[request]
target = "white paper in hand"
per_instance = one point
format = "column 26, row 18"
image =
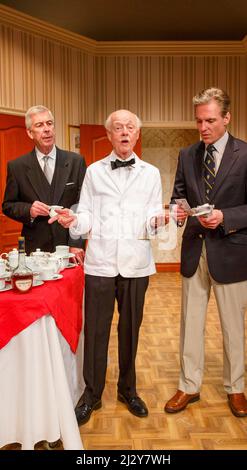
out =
column 205, row 210
column 183, row 204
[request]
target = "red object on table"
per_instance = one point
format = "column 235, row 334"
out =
column 60, row 298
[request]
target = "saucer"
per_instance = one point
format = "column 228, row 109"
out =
column 7, row 287
column 54, row 278
column 37, row 283
column 67, row 255
column 5, row 276
column 70, row 265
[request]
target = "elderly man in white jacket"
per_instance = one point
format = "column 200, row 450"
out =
column 120, row 205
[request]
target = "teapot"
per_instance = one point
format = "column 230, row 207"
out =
column 11, row 257
column 37, row 260
column 38, row 253
column 31, row 262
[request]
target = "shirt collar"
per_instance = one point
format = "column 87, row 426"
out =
column 220, row 144
column 52, row 153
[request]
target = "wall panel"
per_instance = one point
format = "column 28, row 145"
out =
column 84, row 82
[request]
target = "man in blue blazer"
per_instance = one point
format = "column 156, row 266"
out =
column 214, row 250
column 30, row 193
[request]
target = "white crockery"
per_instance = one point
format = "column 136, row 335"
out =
column 52, row 211
column 6, row 288
column 55, row 262
column 2, row 267
column 31, row 262
column 47, row 273
column 62, row 249
column 38, row 253
column 11, row 258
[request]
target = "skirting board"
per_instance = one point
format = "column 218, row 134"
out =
column 167, row 267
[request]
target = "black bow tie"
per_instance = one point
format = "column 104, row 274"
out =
column 118, row 163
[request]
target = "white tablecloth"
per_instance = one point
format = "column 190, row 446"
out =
column 40, row 384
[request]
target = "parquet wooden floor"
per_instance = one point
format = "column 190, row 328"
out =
column 207, row 424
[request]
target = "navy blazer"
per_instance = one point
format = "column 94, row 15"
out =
column 226, row 245
column 26, row 183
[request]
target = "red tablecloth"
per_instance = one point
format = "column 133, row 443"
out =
column 61, row 298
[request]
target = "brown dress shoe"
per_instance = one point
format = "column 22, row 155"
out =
column 180, row 400
column 238, row 404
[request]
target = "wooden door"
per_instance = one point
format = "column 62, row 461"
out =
column 95, row 144
column 13, row 143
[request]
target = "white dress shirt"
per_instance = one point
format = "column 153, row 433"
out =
column 52, row 159
column 122, row 174
column 220, row 146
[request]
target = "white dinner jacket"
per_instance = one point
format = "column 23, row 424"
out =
column 116, row 221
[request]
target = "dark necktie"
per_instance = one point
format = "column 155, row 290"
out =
column 209, row 171
column 118, row 163
column 47, row 169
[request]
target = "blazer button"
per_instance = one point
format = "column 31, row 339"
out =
column 200, row 235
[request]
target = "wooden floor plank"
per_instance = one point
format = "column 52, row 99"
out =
column 205, row 425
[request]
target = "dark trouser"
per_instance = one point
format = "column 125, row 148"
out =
column 100, row 295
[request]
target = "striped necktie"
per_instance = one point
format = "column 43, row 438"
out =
column 47, row 169
column 209, row 170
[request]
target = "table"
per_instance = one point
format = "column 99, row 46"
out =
column 41, row 363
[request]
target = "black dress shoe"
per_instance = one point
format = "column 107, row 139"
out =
column 135, row 405
column 84, row 411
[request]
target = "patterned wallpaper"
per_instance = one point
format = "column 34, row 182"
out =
column 83, row 83
column 160, row 147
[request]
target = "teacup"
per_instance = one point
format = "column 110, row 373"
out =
column 62, row 250
column 55, row 262
column 52, row 211
column 47, row 273
column 2, row 267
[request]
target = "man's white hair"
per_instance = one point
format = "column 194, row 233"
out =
column 108, row 122
column 36, row 110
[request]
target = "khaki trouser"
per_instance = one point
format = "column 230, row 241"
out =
column 231, row 302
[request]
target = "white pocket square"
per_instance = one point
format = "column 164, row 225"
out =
column 68, row 184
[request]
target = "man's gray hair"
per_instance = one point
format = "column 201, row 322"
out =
column 216, row 94
column 36, row 110
column 108, row 121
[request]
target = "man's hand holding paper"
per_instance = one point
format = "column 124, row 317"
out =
column 213, row 220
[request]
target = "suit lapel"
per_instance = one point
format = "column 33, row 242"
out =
column 230, row 156
column 62, row 172
column 198, row 166
column 36, row 177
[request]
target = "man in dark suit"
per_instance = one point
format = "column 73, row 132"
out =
column 46, row 176
column 214, row 250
